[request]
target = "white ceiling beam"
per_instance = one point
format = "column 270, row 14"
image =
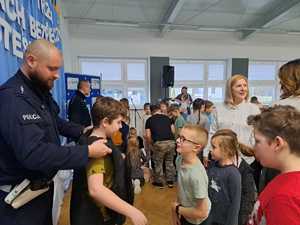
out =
column 170, row 15
column 85, row 11
column 283, row 8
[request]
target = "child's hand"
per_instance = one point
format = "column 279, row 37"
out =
column 138, row 218
column 174, row 204
column 175, row 217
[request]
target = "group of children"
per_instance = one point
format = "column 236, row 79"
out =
column 230, row 179
column 222, row 194
column 217, row 197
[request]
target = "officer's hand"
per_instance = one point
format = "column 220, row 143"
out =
column 98, row 149
column 137, row 217
column 87, row 128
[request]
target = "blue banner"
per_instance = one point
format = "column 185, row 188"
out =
column 21, row 22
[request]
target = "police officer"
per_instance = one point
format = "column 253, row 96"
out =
column 29, row 135
column 78, row 111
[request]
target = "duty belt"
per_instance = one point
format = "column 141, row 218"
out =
column 34, row 185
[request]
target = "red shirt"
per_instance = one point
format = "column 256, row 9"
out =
column 279, row 203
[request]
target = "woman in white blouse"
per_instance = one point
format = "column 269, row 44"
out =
column 233, row 113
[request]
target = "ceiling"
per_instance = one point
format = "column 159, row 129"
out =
column 244, row 16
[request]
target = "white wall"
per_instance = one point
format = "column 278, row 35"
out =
column 99, row 41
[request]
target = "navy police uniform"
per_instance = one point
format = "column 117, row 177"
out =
column 30, row 147
column 78, row 112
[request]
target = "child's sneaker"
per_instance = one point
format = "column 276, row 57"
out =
column 170, row 184
column 156, row 184
column 137, row 186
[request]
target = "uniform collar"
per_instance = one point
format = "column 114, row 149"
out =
column 80, row 94
column 40, row 93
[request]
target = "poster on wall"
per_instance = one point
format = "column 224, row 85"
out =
column 21, row 22
column 71, row 81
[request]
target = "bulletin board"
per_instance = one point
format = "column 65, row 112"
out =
column 71, row 81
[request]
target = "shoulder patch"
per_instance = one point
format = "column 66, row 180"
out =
column 27, row 118
column 22, row 89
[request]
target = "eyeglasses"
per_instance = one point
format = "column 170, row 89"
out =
column 182, row 139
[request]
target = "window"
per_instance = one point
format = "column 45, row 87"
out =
column 204, row 79
column 136, row 71
column 189, row 71
column 262, row 71
column 265, row 94
column 114, row 92
column 137, row 96
column 216, row 71
column 263, row 81
column 197, row 92
column 215, row 94
column 108, row 71
column 121, row 78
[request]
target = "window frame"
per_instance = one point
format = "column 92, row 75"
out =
column 205, row 83
column 268, row 83
column 124, row 83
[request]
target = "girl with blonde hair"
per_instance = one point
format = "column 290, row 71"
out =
column 224, row 186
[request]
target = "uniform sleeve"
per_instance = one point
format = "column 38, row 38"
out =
column 30, row 142
column 78, row 112
column 68, row 129
column 95, row 166
column 74, row 109
column 234, row 192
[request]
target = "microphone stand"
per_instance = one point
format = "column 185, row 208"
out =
column 135, row 112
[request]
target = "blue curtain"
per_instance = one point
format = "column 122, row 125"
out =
column 46, row 15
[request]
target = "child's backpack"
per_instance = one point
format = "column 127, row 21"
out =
column 122, row 184
column 117, row 138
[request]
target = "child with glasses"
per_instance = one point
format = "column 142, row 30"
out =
column 224, row 179
column 192, row 205
column 277, row 146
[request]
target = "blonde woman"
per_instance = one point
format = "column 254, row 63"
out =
column 233, row 113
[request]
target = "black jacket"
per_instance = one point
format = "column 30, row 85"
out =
column 83, row 209
column 30, row 146
column 249, row 192
column 78, row 112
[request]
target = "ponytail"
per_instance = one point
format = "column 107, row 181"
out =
column 199, row 114
column 245, row 150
